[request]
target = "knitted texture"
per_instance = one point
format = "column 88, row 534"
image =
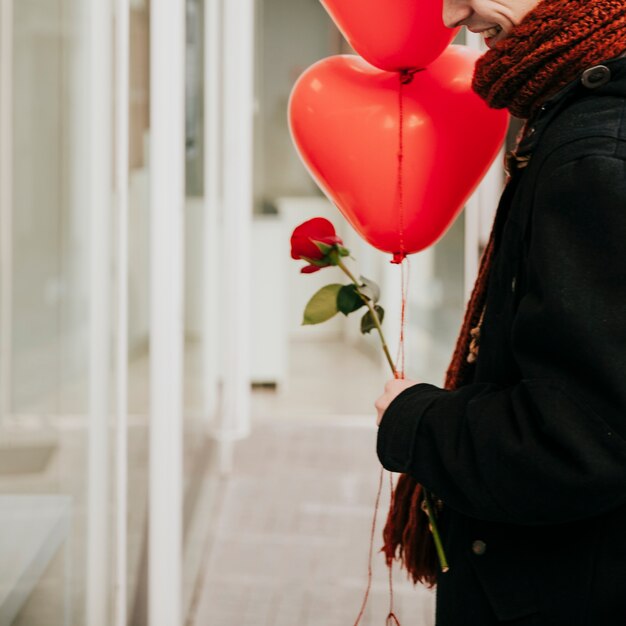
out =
column 547, row 50
column 544, row 52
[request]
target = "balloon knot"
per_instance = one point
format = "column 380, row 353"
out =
column 406, row 75
column 398, row 257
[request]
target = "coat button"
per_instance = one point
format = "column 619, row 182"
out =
column 513, row 284
column 479, row 547
column 596, row 76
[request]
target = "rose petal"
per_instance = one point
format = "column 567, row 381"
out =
column 330, row 239
column 318, row 228
column 309, row 269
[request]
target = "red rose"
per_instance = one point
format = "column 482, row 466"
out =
column 317, row 242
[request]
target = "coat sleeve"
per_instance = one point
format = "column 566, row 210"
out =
column 551, row 448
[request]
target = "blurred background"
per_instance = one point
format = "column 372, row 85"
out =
column 175, row 448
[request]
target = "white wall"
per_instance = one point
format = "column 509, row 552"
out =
column 49, row 306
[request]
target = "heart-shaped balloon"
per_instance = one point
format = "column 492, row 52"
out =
column 344, row 120
column 393, row 35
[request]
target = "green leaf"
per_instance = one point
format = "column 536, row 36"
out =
column 367, row 321
column 343, row 251
column 370, row 289
column 322, row 306
column 348, row 299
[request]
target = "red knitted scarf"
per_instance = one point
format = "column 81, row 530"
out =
column 547, row 50
column 543, row 53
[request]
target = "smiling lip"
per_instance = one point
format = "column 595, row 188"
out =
column 489, row 34
column 496, row 27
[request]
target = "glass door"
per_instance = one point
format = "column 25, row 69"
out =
column 54, row 492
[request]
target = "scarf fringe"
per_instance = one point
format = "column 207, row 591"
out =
column 406, row 535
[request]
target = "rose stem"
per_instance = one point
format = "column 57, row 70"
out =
column 431, row 516
column 373, row 313
column 443, row 562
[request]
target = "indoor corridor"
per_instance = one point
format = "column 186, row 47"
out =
column 291, row 526
column 176, row 447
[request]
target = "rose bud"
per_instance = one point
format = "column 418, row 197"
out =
column 316, row 242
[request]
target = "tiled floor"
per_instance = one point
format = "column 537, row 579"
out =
column 291, row 535
column 325, row 378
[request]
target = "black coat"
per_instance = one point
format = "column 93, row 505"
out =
column 530, row 457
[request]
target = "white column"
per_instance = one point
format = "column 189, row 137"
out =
column 490, row 192
column 472, row 208
column 98, row 144
column 472, row 243
column 122, row 55
column 479, row 213
column 238, row 94
column 167, row 71
column 6, row 202
column 212, row 198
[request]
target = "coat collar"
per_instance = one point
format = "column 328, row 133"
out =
column 607, row 78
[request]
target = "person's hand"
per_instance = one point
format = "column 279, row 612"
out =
column 393, row 388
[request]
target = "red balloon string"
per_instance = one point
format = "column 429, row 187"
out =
column 406, row 76
column 391, row 617
column 371, row 552
column 400, row 159
column 405, row 270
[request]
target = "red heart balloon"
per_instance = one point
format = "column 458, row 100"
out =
column 344, row 121
column 394, row 35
